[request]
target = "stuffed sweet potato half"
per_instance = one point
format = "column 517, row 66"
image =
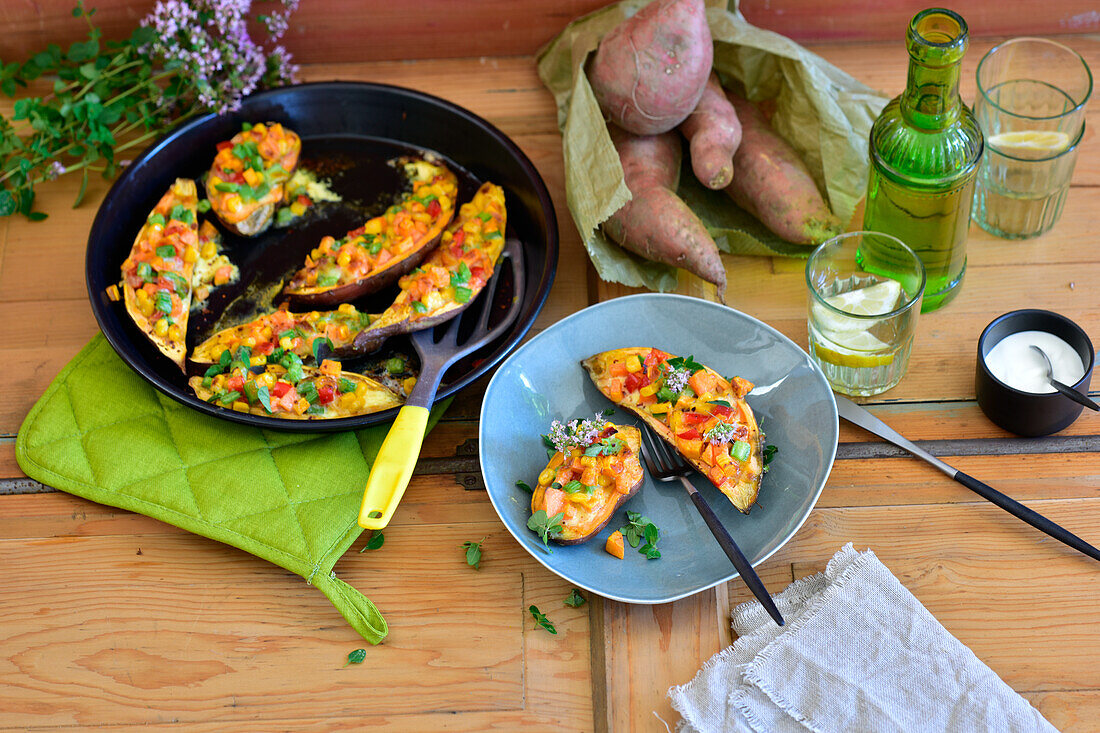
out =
column 371, row 257
column 593, row 472
column 156, row 277
column 248, row 177
column 336, row 333
column 287, row 389
column 452, row 276
column 693, row 408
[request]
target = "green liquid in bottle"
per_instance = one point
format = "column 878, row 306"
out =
column 925, row 148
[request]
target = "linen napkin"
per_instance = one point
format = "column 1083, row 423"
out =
column 101, row 432
column 859, row 653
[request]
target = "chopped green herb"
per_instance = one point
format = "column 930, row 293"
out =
column 462, row 294
column 473, row 553
column 227, row 187
column 685, row 362
column 328, row 279
column 576, row 487
column 309, row 391
column 182, row 286
column 146, row 272
column 544, row 526
column 165, row 251
column 740, row 450
column 246, row 126
column 263, row 394
column 208, row 381
column 419, row 307
column 375, row 245
column 224, row 360
column 203, row 205
column 156, row 219
column 609, row 446
column 356, row 657
column 462, row 276
column 720, row 402
column 345, row 385
column 523, row 485
column 493, row 235
column 284, row 216
column 229, row 397
column 377, row 539
column 484, row 216
column 664, row 394
column 639, row 528
column 575, row 599
column 395, row 365
column 243, row 355
column 649, row 549
column 541, row 620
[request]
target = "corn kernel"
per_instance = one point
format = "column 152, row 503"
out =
column 254, row 178
column 258, row 360
column 259, row 129
column 344, row 258
column 267, row 379
column 233, row 203
column 240, row 406
column 408, row 384
column 175, row 332
column 286, row 342
column 297, row 208
column 190, row 255
column 660, row 408
column 160, row 328
column 374, row 226
column 113, row 294
column 209, row 250
column 346, row 308
column 249, row 341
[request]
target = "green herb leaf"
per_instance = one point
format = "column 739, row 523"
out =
column 165, row 251
column 545, row 527
column 356, row 657
column 182, row 286
column 345, row 385
column 541, row 620
column 523, row 485
column 229, row 397
column 484, row 216
column 156, row 219
column 462, row 294
column 146, row 272
column 639, row 527
column 376, row 540
column 575, row 599
column 473, row 553
column 328, row 279
column 462, row 276
column 419, row 307
column 317, row 344
column 263, row 394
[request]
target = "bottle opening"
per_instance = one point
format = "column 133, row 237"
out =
column 938, row 26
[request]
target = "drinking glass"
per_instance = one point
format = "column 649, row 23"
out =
column 865, row 291
column 1031, row 108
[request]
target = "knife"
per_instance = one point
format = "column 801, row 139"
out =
column 857, row 415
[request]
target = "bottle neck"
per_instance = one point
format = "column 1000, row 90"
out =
column 931, row 98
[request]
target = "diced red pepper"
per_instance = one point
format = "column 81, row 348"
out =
column 721, row 410
column 325, row 394
column 279, row 389
column 234, row 383
column 460, row 236
column 224, row 145
column 607, row 432
column 435, row 208
column 690, row 434
column 304, row 200
column 633, row 382
column 694, row 418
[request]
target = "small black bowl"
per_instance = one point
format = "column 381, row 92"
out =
column 1028, row 413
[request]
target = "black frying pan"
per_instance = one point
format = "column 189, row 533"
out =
column 349, row 131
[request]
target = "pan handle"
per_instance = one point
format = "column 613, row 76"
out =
column 393, row 467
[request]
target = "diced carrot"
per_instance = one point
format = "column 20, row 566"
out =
column 614, row 545
column 617, row 369
column 615, row 390
column 692, row 449
column 742, row 386
column 702, row 382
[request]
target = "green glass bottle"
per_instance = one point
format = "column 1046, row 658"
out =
column 925, row 148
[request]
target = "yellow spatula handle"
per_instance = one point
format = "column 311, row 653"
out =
column 393, row 467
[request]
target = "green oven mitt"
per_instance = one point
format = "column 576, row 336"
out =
column 101, row 432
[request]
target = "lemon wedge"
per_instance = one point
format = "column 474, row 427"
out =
column 853, row 350
column 1030, row 144
column 873, row 300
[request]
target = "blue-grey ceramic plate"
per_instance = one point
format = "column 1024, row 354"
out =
column 544, row 381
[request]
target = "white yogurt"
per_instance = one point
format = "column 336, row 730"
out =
column 1014, row 362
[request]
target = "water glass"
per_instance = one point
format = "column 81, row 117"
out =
column 1031, row 108
column 865, row 291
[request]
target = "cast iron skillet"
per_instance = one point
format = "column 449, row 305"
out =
column 349, row 131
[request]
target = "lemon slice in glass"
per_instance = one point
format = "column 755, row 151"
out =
column 873, row 300
column 853, row 350
column 1030, row 144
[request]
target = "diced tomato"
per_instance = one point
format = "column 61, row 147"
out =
column 654, row 357
column 478, row 273
column 690, row 434
column 694, row 418
column 325, row 394
column 607, row 433
column 303, row 200
column 633, row 382
column 721, row 410
column 235, row 177
column 435, row 208
column 224, row 145
column 234, row 383
column 279, row 389
column 459, row 238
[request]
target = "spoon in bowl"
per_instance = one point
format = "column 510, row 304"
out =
column 1063, row 388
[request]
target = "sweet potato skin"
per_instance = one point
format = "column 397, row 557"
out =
column 714, row 133
column 651, row 69
column 773, row 183
column 656, row 223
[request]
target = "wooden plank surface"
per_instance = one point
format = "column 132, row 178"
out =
column 197, row 634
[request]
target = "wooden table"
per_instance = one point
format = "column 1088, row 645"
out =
column 112, row 619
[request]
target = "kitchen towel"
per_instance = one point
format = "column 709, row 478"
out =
column 102, row 432
column 859, row 653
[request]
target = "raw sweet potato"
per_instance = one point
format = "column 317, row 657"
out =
column 656, row 223
column 714, row 132
column 651, row 69
column 773, row 184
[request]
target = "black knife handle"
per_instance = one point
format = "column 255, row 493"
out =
column 1034, row 518
column 733, row 552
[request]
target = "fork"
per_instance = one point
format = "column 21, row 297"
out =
column 664, row 465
